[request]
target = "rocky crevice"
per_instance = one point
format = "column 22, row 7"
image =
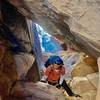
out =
column 14, row 82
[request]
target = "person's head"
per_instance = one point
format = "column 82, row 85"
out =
column 54, row 60
column 56, row 66
column 58, row 63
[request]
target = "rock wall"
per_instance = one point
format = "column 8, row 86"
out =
column 85, row 86
column 78, row 16
column 87, row 66
column 98, row 90
column 57, row 17
column 19, row 70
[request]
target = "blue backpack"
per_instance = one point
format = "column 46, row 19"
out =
column 52, row 60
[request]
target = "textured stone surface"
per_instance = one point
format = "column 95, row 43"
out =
column 86, row 86
column 7, row 69
column 98, row 89
column 74, row 98
column 37, row 91
column 55, row 16
column 24, row 62
column 78, row 83
column 58, row 17
column 93, row 79
column 87, row 66
column 90, row 95
column 81, row 16
column 91, row 62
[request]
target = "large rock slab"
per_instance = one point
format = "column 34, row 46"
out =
column 8, row 71
column 82, row 15
column 93, row 79
column 78, row 83
column 98, row 89
column 24, row 62
column 85, row 96
column 90, row 95
column 86, row 86
column 74, row 98
column 35, row 91
column 11, row 71
column 87, row 66
column 82, row 18
column 57, row 16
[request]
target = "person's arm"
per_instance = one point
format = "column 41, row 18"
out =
column 46, row 74
column 44, row 79
column 62, row 75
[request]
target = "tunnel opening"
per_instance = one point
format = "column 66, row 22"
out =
column 53, row 45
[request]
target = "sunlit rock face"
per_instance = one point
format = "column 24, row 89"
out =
column 85, row 86
column 98, row 88
column 87, row 66
column 59, row 17
column 81, row 17
column 89, row 82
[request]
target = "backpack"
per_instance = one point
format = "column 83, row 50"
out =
column 52, row 60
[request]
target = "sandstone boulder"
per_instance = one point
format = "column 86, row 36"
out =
column 87, row 66
column 73, row 98
column 93, row 79
column 85, row 86
column 81, row 85
column 35, row 91
column 8, row 71
column 80, row 17
column 98, row 89
column 24, row 62
column 90, row 95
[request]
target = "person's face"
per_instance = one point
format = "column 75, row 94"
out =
column 56, row 66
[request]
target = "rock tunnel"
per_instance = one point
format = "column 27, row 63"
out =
column 66, row 21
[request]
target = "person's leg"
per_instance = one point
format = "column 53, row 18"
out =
column 67, row 89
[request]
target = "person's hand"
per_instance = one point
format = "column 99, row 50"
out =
column 61, row 79
column 58, row 86
column 44, row 79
